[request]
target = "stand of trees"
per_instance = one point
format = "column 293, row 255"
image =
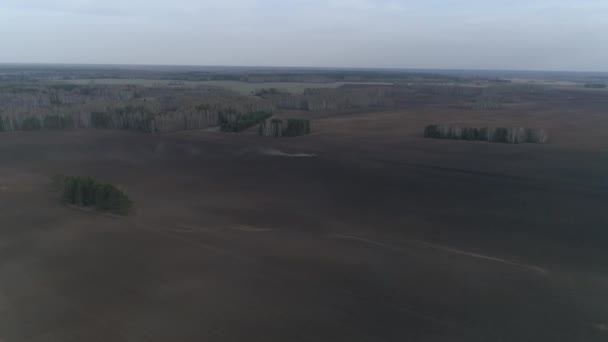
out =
column 284, row 128
column 145, row 109
column 234, row 122
column 89, row 193
column 369, row 96
column 516, row 135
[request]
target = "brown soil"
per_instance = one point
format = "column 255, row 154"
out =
column 440, row 240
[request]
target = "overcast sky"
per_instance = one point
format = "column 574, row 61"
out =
column 446, row 34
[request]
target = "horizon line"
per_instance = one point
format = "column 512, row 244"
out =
column 64, row 64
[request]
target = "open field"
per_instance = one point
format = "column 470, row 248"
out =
column 243, row 88
column 362, row 231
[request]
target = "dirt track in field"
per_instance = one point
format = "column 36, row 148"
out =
column 381, row 236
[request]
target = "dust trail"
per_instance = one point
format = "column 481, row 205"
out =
column 278, row 153
column 600, row 326
column 447, row 249
column 197, row 229
column 250, row 229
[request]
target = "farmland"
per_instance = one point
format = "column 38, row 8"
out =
column 244, row 88
column 362, row 230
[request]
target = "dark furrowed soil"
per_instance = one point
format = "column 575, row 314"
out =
column 380, row 235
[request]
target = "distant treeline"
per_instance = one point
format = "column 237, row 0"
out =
column 140, row 119
column 595, row 85
column 31, row 123
column 335, row 99
column 516, row 135
column 486, row 102
column 269, row 91
column 90, row 193
column 284, row 128
column 34, row 107
column 498, row 80
column 372, row 97
column 163, row 109
column 27, row 73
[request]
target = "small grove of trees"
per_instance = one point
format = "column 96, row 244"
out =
column 284, row 128
column 234, row 122
column 515, row 135
column 90, row 193
column 297, row 127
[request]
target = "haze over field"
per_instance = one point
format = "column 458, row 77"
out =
column 303, row 170
column 470, row 34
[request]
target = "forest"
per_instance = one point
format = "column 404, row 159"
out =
column 34, row 107
column 48, row 103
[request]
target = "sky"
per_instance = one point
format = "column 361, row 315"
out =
column 569, row 35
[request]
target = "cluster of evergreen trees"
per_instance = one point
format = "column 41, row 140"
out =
column 284, row 128
column 90, row 193
column 233, row 122
column 297, row 127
